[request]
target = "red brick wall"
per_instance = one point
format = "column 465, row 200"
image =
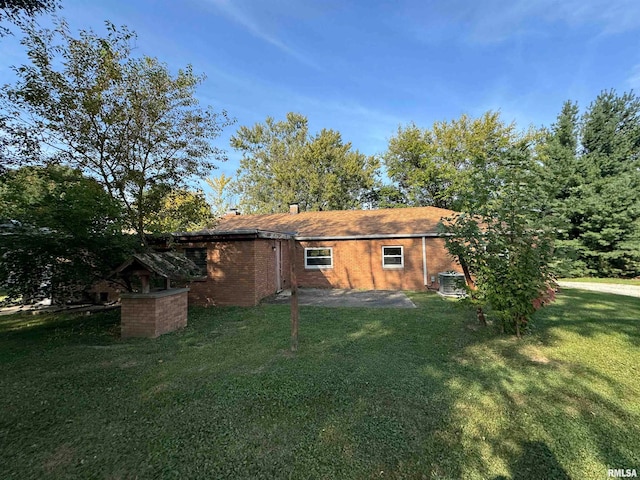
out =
column 358, row 264
column 243, row 272
column 230, row 274
column 240, row 272
column 265, row 274
column 151, row 315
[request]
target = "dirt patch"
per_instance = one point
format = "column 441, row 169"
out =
column 535, row 355
column 155, row 390
column 129, row 364
column 62, row 457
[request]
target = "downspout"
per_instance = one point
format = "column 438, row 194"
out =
column 424, row 260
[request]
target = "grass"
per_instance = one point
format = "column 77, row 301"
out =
column 421, row 393
column 622, row 281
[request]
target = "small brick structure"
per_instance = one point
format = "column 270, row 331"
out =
column 153, row 314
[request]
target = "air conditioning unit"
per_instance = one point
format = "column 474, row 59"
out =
column 451, row 284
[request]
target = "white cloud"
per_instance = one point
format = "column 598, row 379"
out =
column 249, row 21
column 634, row 78
column 493, row 21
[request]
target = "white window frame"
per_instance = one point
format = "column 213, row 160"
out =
column 318, row 267
column 393, row 256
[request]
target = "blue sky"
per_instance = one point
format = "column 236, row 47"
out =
column 364, row 67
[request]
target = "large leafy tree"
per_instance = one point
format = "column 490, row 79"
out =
column 177, row 211
column 283, row 163
column 432, row 166
column 126, row 121
column 60, row 232
column 220, row 198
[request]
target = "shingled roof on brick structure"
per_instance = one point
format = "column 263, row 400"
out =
column 171, row 265
column 412, row 221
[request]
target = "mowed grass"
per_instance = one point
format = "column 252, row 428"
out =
column 421, row 393
column 620, row 281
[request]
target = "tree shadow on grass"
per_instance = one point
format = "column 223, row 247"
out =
column 536, row 461
column 544, row 417
column 590, row 313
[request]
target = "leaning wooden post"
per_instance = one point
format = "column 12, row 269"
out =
column 295, row 311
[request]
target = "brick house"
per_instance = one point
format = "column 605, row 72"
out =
column 246, row 258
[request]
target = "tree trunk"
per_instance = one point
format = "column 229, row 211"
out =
column 467, row 273
column 481, row 318
column 472, row 285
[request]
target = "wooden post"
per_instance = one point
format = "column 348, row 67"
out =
column 295, row 311
column 144, row 280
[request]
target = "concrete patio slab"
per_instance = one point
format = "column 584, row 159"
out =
column 321, row 297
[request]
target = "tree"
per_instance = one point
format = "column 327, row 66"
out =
column 61, row 232
column 221, row 200
column 125, row 121
column 177, row 211
column 15, row 11
column 385, row 196
column 431, row 167
column 503, row 241
column 563, row 177
column 282, row 164
column 593, row 180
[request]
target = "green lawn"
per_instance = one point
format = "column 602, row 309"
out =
column 418, row 393
column 623, row 281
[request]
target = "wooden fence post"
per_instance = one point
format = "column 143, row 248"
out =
column 295, row 311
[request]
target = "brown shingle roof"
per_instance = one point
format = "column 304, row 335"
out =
column 170, row 265
column 392, row 221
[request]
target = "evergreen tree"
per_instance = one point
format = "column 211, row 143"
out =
column 593, row 183
column 563, row 175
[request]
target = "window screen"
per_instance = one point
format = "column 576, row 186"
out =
column 318, row 257
column 199, row 257
column 392, row 257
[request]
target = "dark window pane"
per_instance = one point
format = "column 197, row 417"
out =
column 324, row 252
column 392, row 251
column 199, row 257
column 393, row 260
column 318, row 261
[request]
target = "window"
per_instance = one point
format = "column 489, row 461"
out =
column 318, row 257
column 197, row 256
column 392, row 257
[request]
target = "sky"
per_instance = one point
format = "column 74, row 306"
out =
column 365, row 67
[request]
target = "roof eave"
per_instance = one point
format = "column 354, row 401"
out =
column 376, row 236
column 240, row 234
